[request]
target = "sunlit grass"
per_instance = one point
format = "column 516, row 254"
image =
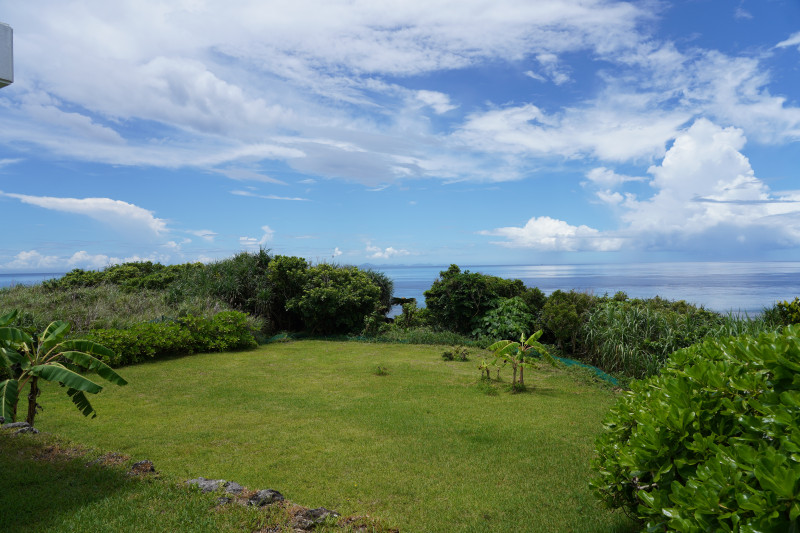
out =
column 420, row 444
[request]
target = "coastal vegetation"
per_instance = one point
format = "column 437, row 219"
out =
column 298, row 366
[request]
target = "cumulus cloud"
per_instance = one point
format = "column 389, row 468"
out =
column 33, row 259
column 115, row 213
column 375, row 252
column 257, row 242
column 337, row 252
column 706, row 196
column 552, row 235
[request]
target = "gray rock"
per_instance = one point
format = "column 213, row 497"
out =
column 12, row 425
column 224, row 500
column 28, row 429
column 231, row 487
column 207, row 485
column 265, row 497
column 310, row 518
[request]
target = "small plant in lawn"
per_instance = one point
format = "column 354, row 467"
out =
column 380, row 370
column 484, row 366
column 52, row 357
column 517, row 353
column 457, row 353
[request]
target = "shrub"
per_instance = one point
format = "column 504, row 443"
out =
column 563, row 316
column 335, row 299
column 456, row 299
column 456, row 353
column 712, row 443
column 507, row 320
column 224, row 332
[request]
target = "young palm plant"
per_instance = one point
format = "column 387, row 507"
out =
column 52, row 357
column 517, row 353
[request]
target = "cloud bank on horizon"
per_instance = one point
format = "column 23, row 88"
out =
column 436, row 132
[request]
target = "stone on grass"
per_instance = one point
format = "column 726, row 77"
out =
column 231, row 487
column 265, row 497
column 310, row 518
column 207, row 485
column 28, row 429
column 12, row 425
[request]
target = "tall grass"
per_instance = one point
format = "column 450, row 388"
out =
column 103, row 306
column 635, row 337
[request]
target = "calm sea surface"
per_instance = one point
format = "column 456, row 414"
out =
column 738, row 287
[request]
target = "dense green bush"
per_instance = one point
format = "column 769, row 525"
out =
column 224, row 332
column 457, row 299
column 335, row 299
column 508, row 319
column 713, row 442
column 563, row 317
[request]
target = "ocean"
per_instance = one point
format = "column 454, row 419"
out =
column 739, row 287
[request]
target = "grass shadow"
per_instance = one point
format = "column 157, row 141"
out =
column 42, row 481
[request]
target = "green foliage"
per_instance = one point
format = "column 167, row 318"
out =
column 786, row 313
column 50, row 356
column 425, row 335
column 564, row 315
column 508, row 318
column 411, row 316
column 456, row 353
column 287, row 277
column 386, row 285
column 335, row 299
column 635, row 337
column 226, row 331
column 712, row 443
column 456, row 299
column 517, row 354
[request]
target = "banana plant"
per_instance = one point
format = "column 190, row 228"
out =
column 517, row 353
column 51, row 357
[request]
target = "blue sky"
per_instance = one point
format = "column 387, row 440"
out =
column 405, row 132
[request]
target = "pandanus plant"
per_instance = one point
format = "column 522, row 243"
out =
column 51, row 357
column 517, row 353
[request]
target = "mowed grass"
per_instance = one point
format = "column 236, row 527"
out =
column 420, row 445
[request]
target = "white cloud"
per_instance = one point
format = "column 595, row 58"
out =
column 605, row 177
column 205, row 234
column 439, row 102
column 793, row 40
column 549, row 234
column 9, row 161
column 32, row 259
column 337, row 252
column 85, row 260
column 375, row 252
column 239, row 192
column 254, row 242
column 706, row 197
column 115, row 213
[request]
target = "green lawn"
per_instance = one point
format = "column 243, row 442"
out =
column 424, row 447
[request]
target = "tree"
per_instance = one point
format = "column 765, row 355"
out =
column 52, row 357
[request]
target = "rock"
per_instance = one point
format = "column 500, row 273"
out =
column 224, row 500
column 310, row 518
column 28, row 429
column 231, row 487
column 141, row 468
column 265, row 497
column 12, row 425
column 207, row 485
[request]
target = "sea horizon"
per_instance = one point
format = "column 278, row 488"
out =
column 722, row 286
